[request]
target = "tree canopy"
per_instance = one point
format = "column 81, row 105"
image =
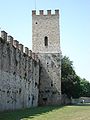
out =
column 72, row 85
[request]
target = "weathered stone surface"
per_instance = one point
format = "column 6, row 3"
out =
column 32, row 77
column 18, row 74
column 46, row 25
column 50, row 79
column 46, row 43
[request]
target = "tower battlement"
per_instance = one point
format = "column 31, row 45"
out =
column 46, row 43
column 45, row 26
column 41, row 12
column 31, row 78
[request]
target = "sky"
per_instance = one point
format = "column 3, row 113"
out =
column 16, row 20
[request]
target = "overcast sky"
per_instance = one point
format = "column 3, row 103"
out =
column 16, row 20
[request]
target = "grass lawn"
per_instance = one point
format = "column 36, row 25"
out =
column 49, row 113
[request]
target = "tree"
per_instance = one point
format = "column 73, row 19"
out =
column 85, row 88
column 70, row 82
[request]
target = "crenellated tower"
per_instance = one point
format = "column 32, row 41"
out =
column 46, row 43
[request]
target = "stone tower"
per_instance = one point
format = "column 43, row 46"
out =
column 46, row 43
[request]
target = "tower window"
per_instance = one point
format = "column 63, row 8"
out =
column 46, row 41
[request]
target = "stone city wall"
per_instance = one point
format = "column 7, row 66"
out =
column 19, row 75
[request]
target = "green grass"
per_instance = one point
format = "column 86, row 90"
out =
column 49, row 113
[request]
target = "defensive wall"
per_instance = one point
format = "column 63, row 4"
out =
column 19, row 75
column 27, row 78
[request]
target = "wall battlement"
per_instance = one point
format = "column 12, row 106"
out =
column 9, row 39
column 41, row 12
column 19, row 75
column 29, row 79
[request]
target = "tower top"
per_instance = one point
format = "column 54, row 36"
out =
column 45, row 32
column 41, row 12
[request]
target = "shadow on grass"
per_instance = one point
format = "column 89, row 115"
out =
column 27, row 113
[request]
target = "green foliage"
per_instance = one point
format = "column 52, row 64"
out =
column 69, row 80
column 85, row 88
column 71, row 83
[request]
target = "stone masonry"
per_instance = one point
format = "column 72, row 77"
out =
column 19, row 75
column 31, row 78
column 46, row 43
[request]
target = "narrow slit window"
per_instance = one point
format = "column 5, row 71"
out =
column 46, row 41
